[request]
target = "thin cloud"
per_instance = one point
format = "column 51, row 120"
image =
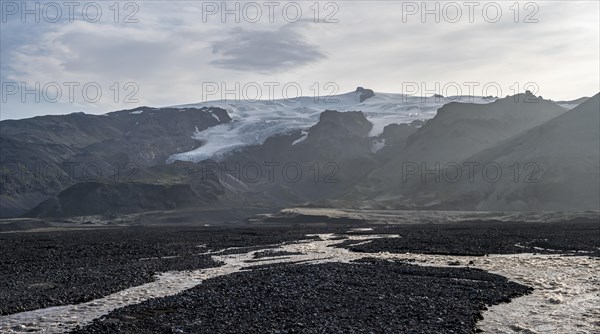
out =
column 264, row 51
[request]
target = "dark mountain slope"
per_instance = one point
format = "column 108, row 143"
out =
column 43, row 155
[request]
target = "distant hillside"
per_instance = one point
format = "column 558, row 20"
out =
column 458, row 131
column 563, row 174
column 43, row 155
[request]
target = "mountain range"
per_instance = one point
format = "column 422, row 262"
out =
column 361, row 149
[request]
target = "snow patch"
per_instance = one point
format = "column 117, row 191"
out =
column 301, row 139
column 377, row 144
column 568, row 106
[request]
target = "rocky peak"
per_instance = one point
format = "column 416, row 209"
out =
column 335, row 124
column 364, row 93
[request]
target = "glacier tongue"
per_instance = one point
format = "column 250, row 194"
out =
column 255, row 121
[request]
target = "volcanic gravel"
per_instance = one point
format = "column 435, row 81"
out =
column 479, row 238
column 369, row 296
column 43, row 269
column 271, row 253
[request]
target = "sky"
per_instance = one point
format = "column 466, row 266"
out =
column 96, row 57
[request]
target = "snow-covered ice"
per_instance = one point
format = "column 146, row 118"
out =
column 255, row 121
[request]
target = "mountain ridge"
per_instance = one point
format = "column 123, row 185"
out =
column 341, row 162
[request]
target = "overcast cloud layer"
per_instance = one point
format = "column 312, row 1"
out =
column 166, row 56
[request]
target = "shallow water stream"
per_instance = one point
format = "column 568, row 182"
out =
column 565, row 299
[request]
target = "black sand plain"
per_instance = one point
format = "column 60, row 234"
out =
column 42, row 269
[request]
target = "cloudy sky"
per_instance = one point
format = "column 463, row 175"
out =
column 162, row 53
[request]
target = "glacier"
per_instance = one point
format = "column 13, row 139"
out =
column 255, row 121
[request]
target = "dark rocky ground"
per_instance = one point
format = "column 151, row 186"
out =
column 364, row 297
column 41, row 269
column 271, row 253
column 579, row 236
